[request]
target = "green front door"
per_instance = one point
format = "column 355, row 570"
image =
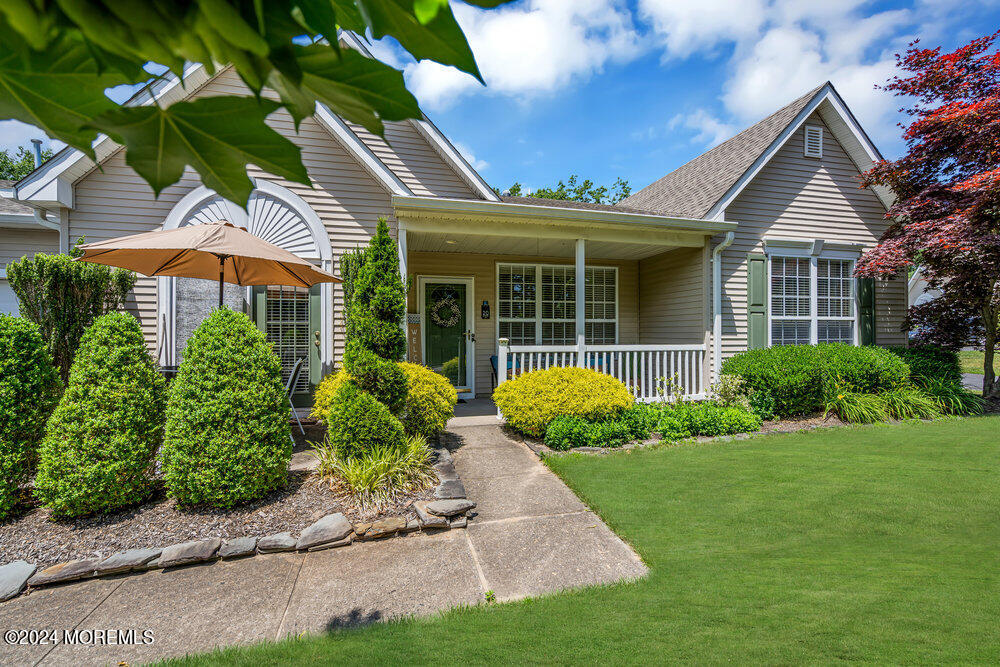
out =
column 445, row 337
column 290, row 317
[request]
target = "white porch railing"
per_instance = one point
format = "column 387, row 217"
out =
column 643, row 368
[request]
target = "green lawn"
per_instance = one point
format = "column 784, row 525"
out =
column 877, row 544
column 973, row 361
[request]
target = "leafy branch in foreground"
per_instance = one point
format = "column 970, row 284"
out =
column 58, row 58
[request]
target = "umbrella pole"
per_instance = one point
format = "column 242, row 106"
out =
column 222, row 270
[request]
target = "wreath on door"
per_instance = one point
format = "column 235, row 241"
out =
column 445, row 312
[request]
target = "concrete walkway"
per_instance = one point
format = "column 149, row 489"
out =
column 532, row 535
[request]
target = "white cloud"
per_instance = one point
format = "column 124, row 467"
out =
column 689, row 26
column 470, row 157
column 14, row 133
column 531, row 49
column 709, row 130
column 783, row 48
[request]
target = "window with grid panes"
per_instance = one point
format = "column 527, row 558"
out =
column 602, row 306
column 286, row 326
column 791, row 313
column 800, row 317
column 551, row 318
column 517, row 307
column 835, row 300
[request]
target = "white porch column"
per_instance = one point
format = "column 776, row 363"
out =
column 581, row 301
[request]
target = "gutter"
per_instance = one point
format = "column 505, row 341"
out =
column 554, row 213
column 717, row 304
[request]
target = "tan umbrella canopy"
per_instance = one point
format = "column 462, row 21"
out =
column 215, row 250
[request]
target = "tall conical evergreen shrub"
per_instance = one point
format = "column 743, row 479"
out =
column 363, row 411
column 378, row 301
column 29, row 388
column 102, row 438
column 227, row 438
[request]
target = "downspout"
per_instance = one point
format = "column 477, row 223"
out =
column 717, row 303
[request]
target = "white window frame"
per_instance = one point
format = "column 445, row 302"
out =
column 814, row 251
column 538, row 298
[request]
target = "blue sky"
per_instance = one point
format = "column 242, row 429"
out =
column 609, row 88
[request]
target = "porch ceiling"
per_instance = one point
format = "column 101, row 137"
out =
column 526, row 245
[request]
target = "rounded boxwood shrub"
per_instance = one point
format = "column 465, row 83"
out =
column 532, row 400
column 102, row 438
column 930, row 362
column 227, row 438
column 430, row 400
column 795, row 376
column 29, row 388
column 357, row 423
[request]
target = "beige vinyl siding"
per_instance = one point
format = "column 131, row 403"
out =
column 16, row 243
column 482, row 267
column 116, row 202
column 673, row 297
column 415, row 162
column 804, row 198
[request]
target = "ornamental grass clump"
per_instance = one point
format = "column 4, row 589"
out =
column 227, row 438
column 532, row 400
column 951, row 398
column 29, row 389
column 101, row 440
column 380, row 474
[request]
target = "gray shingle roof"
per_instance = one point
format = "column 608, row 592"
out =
column 694, row 188
column 9, row 206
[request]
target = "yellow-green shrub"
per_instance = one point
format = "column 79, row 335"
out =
column 430, row 400
column 429, row 404
column 323, row 396
column 532, row 400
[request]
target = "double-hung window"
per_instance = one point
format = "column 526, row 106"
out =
column 537, row 304
column 812, row 300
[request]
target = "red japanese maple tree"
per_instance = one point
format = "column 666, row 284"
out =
column 946, row 216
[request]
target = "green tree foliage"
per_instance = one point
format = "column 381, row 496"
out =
column 227, row 436
column 102, row 438
column 29, row 388
column 57, row 59
column 350, row 265
column 64, row 297
column 378, row 303
column 14, row 167
column 574, row 190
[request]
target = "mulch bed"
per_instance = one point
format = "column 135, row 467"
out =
column 33, row 536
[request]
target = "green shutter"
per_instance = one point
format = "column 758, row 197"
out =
column 866, row 310
column 756, row 301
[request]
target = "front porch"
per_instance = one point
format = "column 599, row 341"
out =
column 626, row 297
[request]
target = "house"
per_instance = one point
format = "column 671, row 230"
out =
column 918, row 292
column 762, row 231
column 22, row 231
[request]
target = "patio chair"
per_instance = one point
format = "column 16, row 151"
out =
column 293, row 379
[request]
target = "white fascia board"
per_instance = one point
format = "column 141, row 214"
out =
column 434, row 136
column 826, row 94
column 426, row 205
column 50, row 185
column 360, row 151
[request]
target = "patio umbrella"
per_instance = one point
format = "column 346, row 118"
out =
column 214, row 250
